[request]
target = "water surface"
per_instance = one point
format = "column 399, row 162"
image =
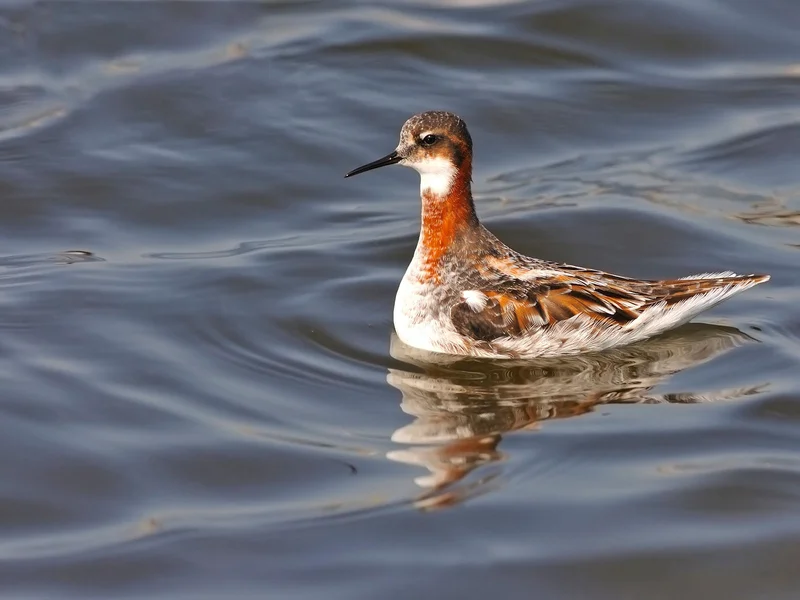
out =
column 202, row 393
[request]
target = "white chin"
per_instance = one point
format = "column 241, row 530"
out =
column 436, row 174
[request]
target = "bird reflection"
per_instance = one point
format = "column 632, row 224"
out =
column 461, row 407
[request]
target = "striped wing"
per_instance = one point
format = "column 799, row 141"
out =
column 513, row 306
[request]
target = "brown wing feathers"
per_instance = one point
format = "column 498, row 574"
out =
column 514, row 306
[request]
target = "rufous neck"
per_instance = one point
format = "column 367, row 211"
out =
column 447, row 212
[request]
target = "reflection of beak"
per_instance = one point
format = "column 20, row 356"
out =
column 389, row 159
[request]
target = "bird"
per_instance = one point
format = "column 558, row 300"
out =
column 466, row 293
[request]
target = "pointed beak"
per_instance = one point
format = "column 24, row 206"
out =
column 389, row 159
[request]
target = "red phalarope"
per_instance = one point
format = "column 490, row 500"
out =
column 467, row 293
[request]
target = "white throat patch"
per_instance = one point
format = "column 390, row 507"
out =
column 436, row 175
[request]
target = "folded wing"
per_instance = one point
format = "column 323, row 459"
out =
column 512, row 306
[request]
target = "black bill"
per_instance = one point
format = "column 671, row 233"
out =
column 389, row 159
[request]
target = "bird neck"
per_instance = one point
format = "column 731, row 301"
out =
column 447, row 213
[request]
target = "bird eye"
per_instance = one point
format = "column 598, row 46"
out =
column 429, row 140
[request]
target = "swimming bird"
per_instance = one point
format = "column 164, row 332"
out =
column 467, row 293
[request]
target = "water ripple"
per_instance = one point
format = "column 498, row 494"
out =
column 211, row 404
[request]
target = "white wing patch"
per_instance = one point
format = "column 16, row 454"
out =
column 719, row 275
column 475, row 299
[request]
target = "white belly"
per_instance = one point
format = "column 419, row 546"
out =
column 421, row 320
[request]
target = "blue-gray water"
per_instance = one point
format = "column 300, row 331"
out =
column 212, row 405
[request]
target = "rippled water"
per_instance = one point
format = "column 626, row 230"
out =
column 212, row 403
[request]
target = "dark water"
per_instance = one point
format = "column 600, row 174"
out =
column 212, row 404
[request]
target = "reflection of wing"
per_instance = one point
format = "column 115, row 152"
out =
column 515, row 298
column 462, row 406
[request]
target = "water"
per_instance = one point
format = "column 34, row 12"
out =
column 212, row 404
